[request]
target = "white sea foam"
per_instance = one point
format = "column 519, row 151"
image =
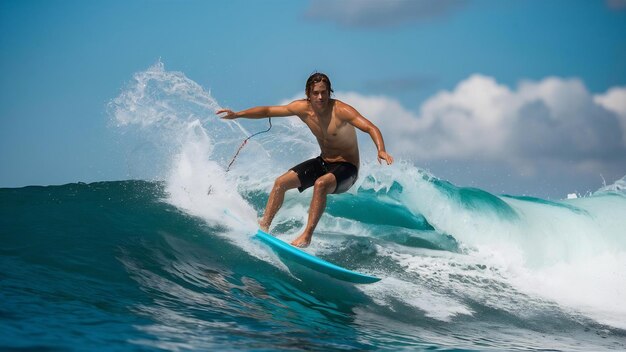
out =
column 178, row 116
column 517, row 255
column 435, row 305
column 572, row 253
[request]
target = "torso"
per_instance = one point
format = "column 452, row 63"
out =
column 335, row 136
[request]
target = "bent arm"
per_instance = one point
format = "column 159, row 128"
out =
column 357, row 120
column 260, row 112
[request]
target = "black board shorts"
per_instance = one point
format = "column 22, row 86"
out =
column 309, row 171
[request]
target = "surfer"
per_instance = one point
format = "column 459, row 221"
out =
column 333, row 123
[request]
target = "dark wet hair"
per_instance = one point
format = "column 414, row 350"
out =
column 316, row 78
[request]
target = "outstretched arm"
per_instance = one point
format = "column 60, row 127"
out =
column 260, row 112
column 352, row 116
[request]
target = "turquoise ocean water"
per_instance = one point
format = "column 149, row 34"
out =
column 158, row 265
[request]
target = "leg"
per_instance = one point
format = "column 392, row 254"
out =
column 323, row 186
column 283, row 183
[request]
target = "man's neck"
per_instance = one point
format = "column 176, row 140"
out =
column 323, row 111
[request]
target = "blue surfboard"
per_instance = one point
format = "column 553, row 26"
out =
column 294, row 254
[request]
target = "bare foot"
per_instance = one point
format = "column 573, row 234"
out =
column 265, row 228
column 302, row 241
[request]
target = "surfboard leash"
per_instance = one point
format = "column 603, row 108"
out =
column 246, row 141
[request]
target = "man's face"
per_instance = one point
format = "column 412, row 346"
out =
column 319, row 95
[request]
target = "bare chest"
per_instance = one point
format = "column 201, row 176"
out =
column 327, row 128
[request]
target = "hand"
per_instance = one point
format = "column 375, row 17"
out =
column 386, row 157
column 230, row 115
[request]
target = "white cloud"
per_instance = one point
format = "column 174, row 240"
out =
column 554, row 120
column 614, row 100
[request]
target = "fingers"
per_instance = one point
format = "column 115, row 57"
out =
column 229, row 113
column 384, row 156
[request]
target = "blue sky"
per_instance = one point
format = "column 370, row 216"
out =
column 61, row 62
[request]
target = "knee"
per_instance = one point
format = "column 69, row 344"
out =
column 281, row 183
column 323, row 184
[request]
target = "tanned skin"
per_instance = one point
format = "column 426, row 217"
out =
column 333, row 123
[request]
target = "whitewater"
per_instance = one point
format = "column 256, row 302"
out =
column 462, row 268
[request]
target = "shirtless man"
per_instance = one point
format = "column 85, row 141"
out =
column 333, row 123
